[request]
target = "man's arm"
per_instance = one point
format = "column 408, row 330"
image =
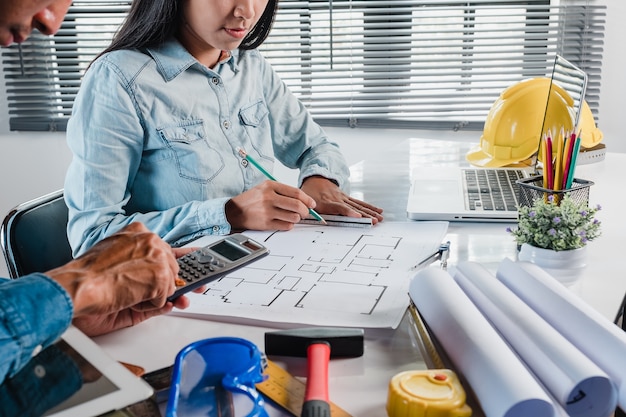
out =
column 121, row 281
column 47, row 380
column 34, row 312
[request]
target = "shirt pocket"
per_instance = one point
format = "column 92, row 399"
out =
column 253, row 114
column 255, row 121
column 195, row 159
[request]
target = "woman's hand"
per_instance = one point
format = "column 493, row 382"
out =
column 268, row 206
column 331, row 200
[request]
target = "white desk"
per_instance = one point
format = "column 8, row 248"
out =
column 360, row 385
column 604, row 282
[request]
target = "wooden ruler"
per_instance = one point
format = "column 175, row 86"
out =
column 432, row 358
column 288, row 392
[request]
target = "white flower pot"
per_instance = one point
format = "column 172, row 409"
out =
column 566, row 266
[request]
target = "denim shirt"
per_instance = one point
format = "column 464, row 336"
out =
column 46, row 381
column 34, row 311
column 154, row 135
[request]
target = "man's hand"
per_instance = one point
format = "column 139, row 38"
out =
column 97, row 324
column 122, row 280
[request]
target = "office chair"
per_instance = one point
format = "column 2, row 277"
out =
column 33, row 235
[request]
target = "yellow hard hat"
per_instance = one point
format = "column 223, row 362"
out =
column 590, row 135
column 514, row 123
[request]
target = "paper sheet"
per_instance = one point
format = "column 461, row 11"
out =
column 502, row 384
column 578, row 384
column 326, row 276
column 596, row 336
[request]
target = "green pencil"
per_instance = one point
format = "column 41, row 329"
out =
column 572, row 165
column 258, row 166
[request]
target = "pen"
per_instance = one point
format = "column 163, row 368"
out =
column 258, row 166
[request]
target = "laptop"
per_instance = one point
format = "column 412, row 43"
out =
column 486, row 194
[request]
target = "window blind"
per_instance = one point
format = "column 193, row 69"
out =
column 388, row 63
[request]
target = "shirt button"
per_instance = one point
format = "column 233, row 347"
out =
column 216, row 229
column 226, row 124
column 244, row 163
column 40, row 371
column 36, row 351
column 215, row 80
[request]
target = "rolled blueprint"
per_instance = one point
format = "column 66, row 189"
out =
column 595, row 335
column 502, row 384
column 575, row 382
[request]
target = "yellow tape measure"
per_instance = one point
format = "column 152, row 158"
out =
column 434, row 392
column 288, row 392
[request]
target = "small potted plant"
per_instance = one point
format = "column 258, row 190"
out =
column 553, row 233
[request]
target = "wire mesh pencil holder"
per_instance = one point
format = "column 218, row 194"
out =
column 531, row 189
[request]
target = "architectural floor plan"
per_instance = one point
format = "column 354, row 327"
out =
column 320, row 275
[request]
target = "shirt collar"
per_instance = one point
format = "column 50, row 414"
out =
column 173, row 59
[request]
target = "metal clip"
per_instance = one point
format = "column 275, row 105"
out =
column 444, row 251
column 442, row 254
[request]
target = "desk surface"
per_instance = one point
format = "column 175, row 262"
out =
column 603, row 285
column 360, row 385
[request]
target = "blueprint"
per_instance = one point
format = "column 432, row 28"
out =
column 324, row 276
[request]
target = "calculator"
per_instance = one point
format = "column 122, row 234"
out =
column 216, row 260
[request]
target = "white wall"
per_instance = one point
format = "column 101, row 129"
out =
column 30, row 166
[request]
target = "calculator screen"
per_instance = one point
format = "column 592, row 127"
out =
column 229, row 251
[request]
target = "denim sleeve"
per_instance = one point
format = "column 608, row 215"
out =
column 299, row 142
column 34, row 311
column 106, row 136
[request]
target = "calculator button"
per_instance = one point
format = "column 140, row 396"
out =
column 205, row 258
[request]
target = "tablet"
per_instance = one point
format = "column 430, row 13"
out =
column 114, row 388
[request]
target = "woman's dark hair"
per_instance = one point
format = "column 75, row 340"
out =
column 152, row 22
column 261, row 30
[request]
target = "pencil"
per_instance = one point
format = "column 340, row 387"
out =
column 568, row 159
column 258, row 166
column 548, row 169
column 558, row 166
column 572, row 168
column 550, row 164
column 544, row 149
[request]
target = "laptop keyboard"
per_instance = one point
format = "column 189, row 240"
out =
column 491, row 189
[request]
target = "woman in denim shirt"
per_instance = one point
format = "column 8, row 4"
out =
column 159, row 117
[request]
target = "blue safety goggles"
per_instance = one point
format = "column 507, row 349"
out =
column 216, row 378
